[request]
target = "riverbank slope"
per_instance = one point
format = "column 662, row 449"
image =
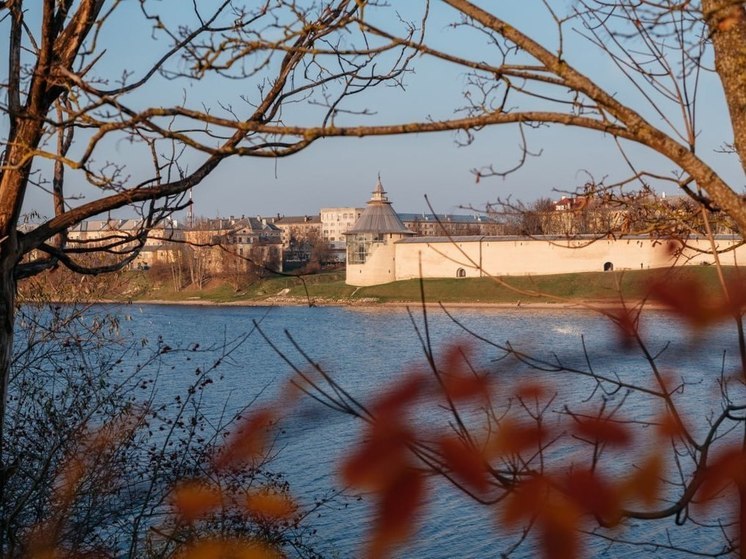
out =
column 330, row 289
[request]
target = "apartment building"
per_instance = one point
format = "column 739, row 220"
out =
column 335, row 222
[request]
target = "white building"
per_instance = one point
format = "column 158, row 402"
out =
column 335, row 222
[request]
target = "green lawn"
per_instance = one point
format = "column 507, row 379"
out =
column 329, row 287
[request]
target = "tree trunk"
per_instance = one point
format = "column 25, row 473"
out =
column 7, row 320
column 727, row 25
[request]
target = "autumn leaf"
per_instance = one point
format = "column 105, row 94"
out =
column 603, row 431
column 645, row 483
column 526, row 501
column 736, row 299
column 466, row 462
column 248, row 442
column 232, row 548
column 558, row 534
column 627, row 325
column 381, row 457
column 396, row 509
column 458, row 381
column 460, row 387
column 727, row 23
column 514, row 437
column 668, row 426
column 690, row 300
column 532, row 391
column 193, row 500
column 402, row 395
column 269, row 505
column 69, row 479
column 536, row 501
column 594, row 495
column 728, row 468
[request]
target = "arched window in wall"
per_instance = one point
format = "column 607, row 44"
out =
column 460, row 273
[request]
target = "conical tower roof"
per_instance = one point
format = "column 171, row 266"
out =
column 379, row 216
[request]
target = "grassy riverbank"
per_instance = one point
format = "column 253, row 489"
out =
column 329, row 288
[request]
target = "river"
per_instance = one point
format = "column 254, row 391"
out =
column 366, row 349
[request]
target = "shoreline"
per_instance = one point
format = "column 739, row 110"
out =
column 582, row 305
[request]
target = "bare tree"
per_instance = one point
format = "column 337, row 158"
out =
column 62, row 110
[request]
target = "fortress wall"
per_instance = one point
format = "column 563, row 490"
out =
column 438, row 260
column 378, row 269
column 533, row 256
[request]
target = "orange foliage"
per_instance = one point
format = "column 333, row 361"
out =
column 688, row 299
column 228, row 549
column 532, row 391
column 668, row 426
column 602, row 431
column 249, row 441
column 626, row 321
column 645, row 483
column 467, row 463
column 397, row 504
column 193, row 500
column 381, row 458
column 459, row 382
column 557, row 518
column 269, row 505
column 593, row 494
column 398, row 398
column 515, row 437
column 691, row 300
column 729, row 468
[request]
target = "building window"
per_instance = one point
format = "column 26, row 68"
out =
column 608, row 266
column 460, row 273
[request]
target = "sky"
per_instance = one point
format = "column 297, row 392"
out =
column 343, row 172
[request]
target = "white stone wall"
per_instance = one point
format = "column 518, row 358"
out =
column 379, row 268
column 539, row 257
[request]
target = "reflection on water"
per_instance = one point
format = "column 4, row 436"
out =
column 366, row 349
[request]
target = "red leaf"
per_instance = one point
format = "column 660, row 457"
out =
column 645, row 483
column 397, row 506
column 536, row 501
column 269, row 505
column 594, row 495
column 690, row 300
column 532, row 391
column 667, row 426
column 402, row 395
column 602, row 431
column 729, row 467
column 228, row 548
column 526, row 501
column 248, row 442
column 626, row 320
column 193, row 499
column 559, row 536
column 514, row 437
column 466, row 462
column 380, row 458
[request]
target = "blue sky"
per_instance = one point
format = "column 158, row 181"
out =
column 342, row 172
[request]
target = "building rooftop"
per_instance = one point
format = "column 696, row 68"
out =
column 443, row 218
column 552, row 238
column 297, row 219
column 379, row 216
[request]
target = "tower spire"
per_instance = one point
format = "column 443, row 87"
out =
column 379, row 194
